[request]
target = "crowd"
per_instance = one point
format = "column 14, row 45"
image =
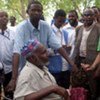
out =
column 38, row 61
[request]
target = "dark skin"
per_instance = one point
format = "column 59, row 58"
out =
column 72, row 19
column 38, row 58
column 88, row 17
column 3, row 20
column 34, row 12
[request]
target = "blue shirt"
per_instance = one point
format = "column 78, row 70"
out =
column 44, row 34
column 25, row 31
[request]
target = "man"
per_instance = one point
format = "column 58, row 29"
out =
column 70, row 28
column 12, row 21
column 6, row 49
column 96, row 68
column 34, row 28
column 34, row 81
column 58, row 65
column 86, row 45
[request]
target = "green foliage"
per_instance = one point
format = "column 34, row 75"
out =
column 18, row 7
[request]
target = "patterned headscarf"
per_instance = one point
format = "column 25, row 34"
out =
column 29, row 47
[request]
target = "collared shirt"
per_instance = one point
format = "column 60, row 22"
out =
column 32, row 79
column 6, row 49
column 27, row 31
column 60, row 35
column 71, row 36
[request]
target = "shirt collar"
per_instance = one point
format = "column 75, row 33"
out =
column 38, row 70
column 55, row 29
column 31, row 26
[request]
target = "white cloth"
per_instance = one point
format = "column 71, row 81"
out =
column 71, row 36
column 6, row 49
column 84, row 42
column 61, row 39
column 32, row 79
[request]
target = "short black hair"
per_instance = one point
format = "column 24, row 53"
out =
column 74, row 11
column 33, row 2
column 60, row 12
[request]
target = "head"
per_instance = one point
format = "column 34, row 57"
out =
column 35, row 53
column 59, row 18
column 12, row 20
column 72, row 17
column 34, row 10
column 88, row 17
column 3, row 19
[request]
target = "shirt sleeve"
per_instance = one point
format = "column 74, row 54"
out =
column 53, row 40
column 19, row 40
column 27, row 84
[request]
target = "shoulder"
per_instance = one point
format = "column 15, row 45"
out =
column 22, row 25
column 44, row 23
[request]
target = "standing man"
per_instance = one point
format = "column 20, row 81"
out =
column 33, row 28
column 70, row 28
column 58, row 65
column 6, row 50
column 86, row 45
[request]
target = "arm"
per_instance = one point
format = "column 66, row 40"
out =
column 46, row 91
column 12, row 84
column 63, row 52
column 88, row 67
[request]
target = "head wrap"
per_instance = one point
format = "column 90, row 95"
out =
column 29, row 47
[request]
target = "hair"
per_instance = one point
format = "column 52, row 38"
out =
column 74, row 11
column 33, row 2
column 60, row 12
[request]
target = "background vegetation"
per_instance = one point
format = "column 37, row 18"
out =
column 18, row 7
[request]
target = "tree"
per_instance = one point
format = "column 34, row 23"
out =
column 18, row 7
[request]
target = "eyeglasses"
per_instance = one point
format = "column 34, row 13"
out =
column 88, row 15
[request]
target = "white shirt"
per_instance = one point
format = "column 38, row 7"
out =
column 6, row 49
column 32, row 79
column 71, row 36
column 61, row 39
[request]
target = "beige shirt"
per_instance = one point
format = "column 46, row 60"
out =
column 32, row 79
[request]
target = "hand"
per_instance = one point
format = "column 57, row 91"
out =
column 67, row 48
column 74, row 69
column 87, row 67
column 11, row 86
column 62, row 92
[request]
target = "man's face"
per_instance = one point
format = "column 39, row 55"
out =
column 88, row 17
column 3, row 18
column 35, row 11
column 59, row 21
column 72, row 18
column 42, row 55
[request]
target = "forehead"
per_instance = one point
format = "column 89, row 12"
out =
column 71, row 14
column 35, row 6
column 88, row 12
column 2, row 13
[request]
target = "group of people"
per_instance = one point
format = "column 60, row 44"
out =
column 38, row 59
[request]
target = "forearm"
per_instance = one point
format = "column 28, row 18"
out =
column 66, row 56
column 40, row 94
column 15, row 66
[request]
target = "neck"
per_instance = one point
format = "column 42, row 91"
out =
column 74, row 24
column 34, row 23
column 57, row 26
column 3, row 28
